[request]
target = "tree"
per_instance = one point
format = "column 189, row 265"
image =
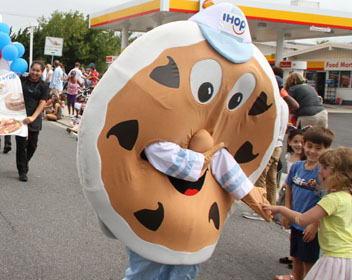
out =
column 80, row 42
column 322, row 42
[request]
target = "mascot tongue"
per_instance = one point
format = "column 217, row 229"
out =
column 191, row 192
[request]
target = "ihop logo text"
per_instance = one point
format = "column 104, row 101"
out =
column 237, row 22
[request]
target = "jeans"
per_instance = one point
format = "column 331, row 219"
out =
column 143, row 269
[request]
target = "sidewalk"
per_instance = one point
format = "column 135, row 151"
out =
column 345, row 109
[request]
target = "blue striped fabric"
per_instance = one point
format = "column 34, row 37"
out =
column 182, row 157
column 190, row 162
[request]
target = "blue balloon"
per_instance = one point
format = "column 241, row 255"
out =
column 4, row 27
column 4, row 40
column 19, row 66
column 9, row 52
column 20, row 48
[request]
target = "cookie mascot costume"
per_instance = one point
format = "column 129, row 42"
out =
column 178, row 128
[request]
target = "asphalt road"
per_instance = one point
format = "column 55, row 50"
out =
column 48, row 230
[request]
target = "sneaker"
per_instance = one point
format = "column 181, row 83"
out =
column 6, row 149
column 252, row 216
column 23, row 177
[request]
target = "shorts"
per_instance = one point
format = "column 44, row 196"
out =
column 320, row 119
column 71, row 99
column 305, row 251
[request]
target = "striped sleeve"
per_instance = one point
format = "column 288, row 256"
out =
column 170, row 159
column 230, row 175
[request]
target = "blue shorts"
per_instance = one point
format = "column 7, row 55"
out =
column 305, row 251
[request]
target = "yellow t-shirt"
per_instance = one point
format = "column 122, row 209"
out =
column 335, row 234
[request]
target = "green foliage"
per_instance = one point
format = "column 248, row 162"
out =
column 80, row 42
column 323, row 42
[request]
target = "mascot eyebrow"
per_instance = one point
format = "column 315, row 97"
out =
column 260, row 105
column 167, row 75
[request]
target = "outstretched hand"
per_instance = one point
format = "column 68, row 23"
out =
column 273, row 209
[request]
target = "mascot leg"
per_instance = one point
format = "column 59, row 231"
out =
column 141, row 268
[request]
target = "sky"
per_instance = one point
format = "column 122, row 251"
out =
column 23, row 13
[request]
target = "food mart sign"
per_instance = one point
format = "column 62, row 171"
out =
column 338, row 64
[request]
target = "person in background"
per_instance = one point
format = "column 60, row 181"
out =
column 49, row 74
column 334, row 213
column 76, row 120
column 72, row 91
column 92, row 77
column 64, row 76
column 291, row 102
column 302, row 194
column 35, row 92
column 7, row 144
column 294, row 153
column 311, row 110
column 54, row 113
column 62, row 101
column 56, row 83
column 78, row 71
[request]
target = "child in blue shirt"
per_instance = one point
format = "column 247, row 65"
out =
column 302, row 194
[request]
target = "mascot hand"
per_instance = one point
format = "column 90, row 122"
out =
column 253, row 198
column 208, row 155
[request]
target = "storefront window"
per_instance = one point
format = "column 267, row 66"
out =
column 345, row 79
column 310, row 77
column 334, row 75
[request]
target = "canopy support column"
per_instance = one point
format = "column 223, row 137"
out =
column 124, row 35
column 279, row 47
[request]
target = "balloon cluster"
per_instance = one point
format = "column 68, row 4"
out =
column 12, row 52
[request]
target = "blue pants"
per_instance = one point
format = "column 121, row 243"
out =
column 143, row 269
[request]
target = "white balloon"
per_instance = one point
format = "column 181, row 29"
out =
column 4, row 66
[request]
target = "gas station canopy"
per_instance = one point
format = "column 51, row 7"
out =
column 267, row 21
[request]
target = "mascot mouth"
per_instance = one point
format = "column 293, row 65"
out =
column 186, row 187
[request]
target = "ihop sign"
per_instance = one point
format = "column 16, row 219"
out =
column 234, row 24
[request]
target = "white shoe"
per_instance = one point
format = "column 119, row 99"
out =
column 252, row 216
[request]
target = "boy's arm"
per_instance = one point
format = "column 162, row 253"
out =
column 288, row 197
column 288, row 203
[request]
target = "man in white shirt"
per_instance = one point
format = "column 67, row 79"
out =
column 78, row 72
column 56, row 85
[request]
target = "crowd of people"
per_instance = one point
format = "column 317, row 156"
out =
column 70, row 90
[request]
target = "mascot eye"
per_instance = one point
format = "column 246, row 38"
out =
column 205, row 81
column 241, row 91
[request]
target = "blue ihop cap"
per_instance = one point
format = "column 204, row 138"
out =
column 226, row 29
